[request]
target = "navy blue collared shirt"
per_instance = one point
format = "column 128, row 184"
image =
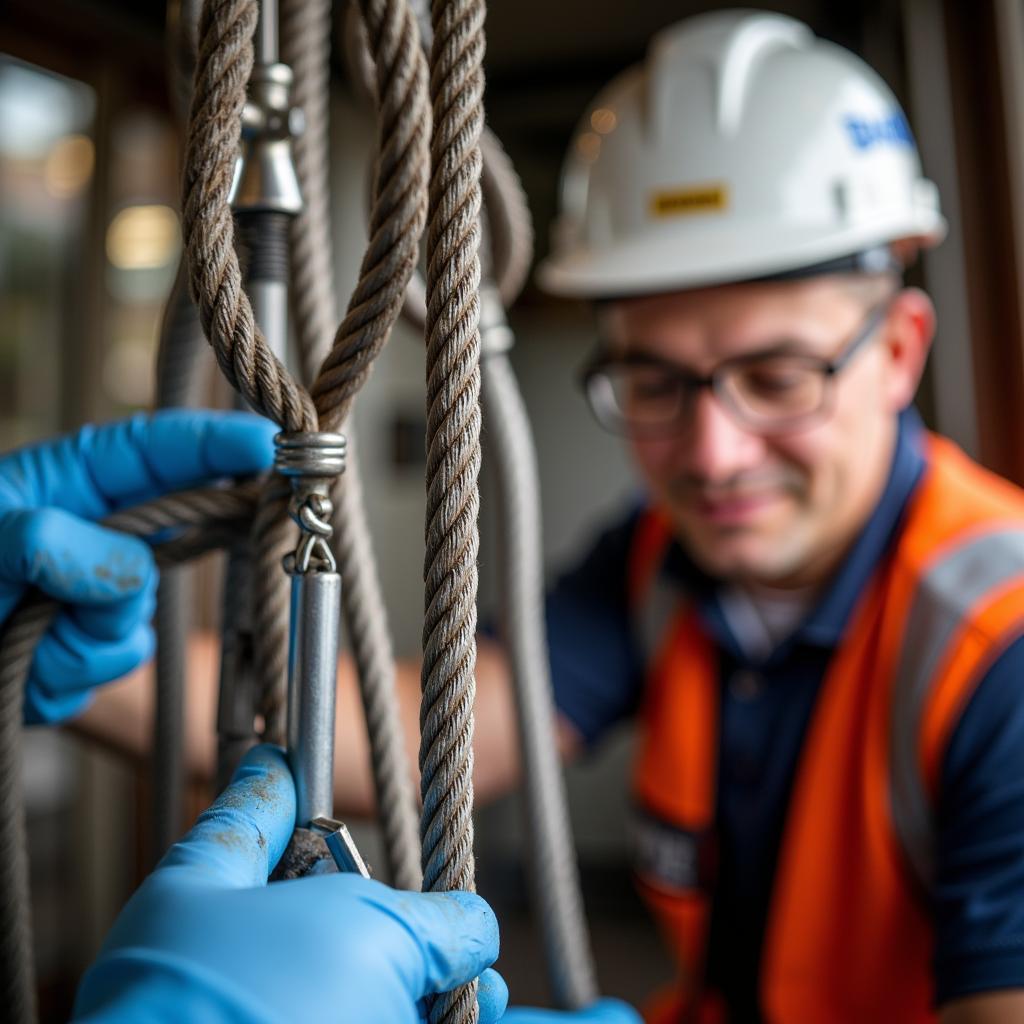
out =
column 978, row 896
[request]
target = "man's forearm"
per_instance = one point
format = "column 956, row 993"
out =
column 122, row 714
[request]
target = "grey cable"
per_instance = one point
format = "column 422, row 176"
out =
column 18, row 640
column 179, row 369
column 511, row 230
column 366, row 617
column 553, row 872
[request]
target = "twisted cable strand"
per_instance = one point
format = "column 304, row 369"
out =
column 453, row 463
column 398, row 213
column 306, row 48
column 273, row 537
column 504, row 202
column 222, row 71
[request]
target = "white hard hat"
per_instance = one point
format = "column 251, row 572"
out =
column 743, row 147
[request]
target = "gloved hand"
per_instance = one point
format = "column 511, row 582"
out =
column 205, row 939
column 604, row 1011
column 49, row 496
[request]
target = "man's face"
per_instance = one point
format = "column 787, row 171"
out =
column 777, row 509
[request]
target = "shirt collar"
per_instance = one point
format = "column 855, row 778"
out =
column 826, row 622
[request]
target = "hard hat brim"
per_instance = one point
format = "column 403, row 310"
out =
column 721, row 256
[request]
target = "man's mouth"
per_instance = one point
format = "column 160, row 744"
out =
column 733, row 509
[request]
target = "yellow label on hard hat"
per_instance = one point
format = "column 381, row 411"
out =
column 678, row 201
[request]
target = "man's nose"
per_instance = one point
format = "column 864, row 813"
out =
column 718, row 447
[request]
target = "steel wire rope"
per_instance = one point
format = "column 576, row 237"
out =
column 453, row 463
column 553, row 871
column 507, row 217
column 305, row 42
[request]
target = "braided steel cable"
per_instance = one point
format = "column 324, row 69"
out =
column 179, row 370
column 553, row 872
column 273, row 536
column 398, row 211
column 508, row 218
column 306, row 49
column 453, row 463
column 223, row 65
column 509, row 224
column 209, row 516
column 305, row 45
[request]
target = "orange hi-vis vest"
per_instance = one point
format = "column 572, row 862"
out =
column 848, row 937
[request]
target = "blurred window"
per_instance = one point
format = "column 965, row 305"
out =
column 47, row 158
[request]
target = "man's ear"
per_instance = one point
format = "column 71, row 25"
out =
column 907, row 339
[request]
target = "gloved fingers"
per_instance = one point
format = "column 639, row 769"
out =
column 492, row 997
column 146, row 456
column 42, row 708
column 452, row 936
column 69, row 663
column 76, row 562
column 603, row 1011
column 237, row 841
column 98, row 469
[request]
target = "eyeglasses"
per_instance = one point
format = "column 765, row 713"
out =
column 644, row 396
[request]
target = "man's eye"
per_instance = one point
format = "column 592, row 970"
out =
column 652, row 386
column 774, row 380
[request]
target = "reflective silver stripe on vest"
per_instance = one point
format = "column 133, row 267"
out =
column 944, row 598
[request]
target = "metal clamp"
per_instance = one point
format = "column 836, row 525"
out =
column 311, row 461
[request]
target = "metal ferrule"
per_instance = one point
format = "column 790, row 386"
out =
column 320, row 454
column 312, row 676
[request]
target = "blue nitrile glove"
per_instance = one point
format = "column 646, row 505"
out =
column 604, row 1011
column 205, row 940
column 50, row 495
